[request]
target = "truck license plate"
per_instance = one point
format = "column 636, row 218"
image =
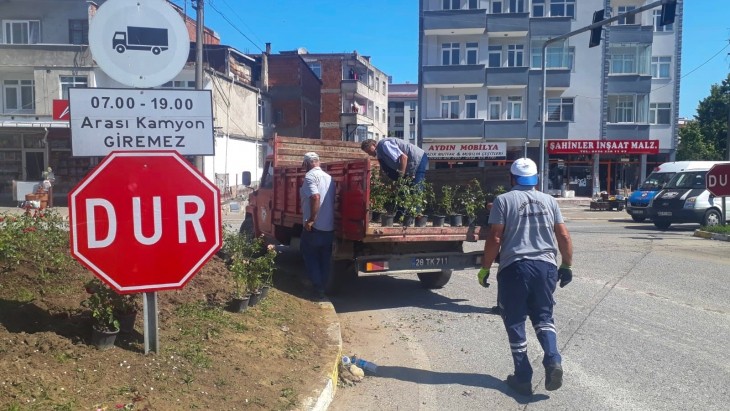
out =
column 421, row 262
column 664, row 213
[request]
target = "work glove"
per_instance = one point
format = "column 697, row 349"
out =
column 483, row 277
column 565, row 275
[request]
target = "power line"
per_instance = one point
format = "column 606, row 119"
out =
column 241, row 20
column 234, row 27
column 696, row 68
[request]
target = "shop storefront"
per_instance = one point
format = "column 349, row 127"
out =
column 466, row 154
column 591, row 166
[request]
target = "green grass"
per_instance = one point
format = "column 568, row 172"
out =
column 720, row 229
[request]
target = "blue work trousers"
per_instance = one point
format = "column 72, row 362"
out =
column 525, row 288
column 316, row 248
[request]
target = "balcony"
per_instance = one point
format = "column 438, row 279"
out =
column 45, row 55
column 556, row 79
column 355, row 87
column 471, row 75
column 454, row 22
column 508, row 25
column 632, row 34
column 628, row 84
column 505, row 129
column 549, row 26
column 353, row 119
column 507, row 77
column 616, row 131
column 452, row 128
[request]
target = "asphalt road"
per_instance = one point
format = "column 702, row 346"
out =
column 644, row 326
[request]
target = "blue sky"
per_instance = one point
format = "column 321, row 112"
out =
column 387, row 30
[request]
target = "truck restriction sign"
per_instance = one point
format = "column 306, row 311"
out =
column 144, row 221
column 718, row 180
column 141, row 43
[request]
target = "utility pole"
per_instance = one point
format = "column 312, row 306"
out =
column 199, row 30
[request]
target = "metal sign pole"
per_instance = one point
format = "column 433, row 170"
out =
column 151, row 336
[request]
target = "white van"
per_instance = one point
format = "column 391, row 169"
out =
column 638, row 202
column 685, row 199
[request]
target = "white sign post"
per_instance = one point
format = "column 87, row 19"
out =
column 140, row 43
column 104, row 120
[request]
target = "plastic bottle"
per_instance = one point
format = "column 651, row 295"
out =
column 364, row 364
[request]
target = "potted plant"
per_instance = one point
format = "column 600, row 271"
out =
column 105, row 326
column 378, row 196
column 471, row 199
column 126, row 307
column 446, row 205
column 265, row 264
column 413, row 202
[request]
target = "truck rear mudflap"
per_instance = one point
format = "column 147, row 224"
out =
column 418, row 262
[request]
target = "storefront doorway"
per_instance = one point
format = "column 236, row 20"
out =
column 35, row 164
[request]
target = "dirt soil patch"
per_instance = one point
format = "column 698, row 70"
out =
column 268, row 357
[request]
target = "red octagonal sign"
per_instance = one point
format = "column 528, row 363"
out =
column 718, row 180
column 144, row 221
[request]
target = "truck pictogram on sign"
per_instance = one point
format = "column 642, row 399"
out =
column 140, row 38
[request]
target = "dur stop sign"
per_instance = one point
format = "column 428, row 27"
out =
column 144, row 221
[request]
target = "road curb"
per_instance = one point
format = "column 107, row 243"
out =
column 711, row 236
column 322, row 397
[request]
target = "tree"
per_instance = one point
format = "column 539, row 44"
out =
column 693, row 145
column 712, row 116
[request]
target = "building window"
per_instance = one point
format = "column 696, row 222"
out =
column 19, row 95
column 538, row 8
column 316, row 67
column 450, row 107
column 383, row 115
column 516, row 6
column 377, row 84
column 412, row 105
column 628, row 19
column 495, row 56
column 559, row 55
column 660, row 66
column 496, row 7
column 22, row 31
column 658, row 19
column 627, row 108
column 412, row 134
column 471, row 53
column 179, row 84
column 451, row 4
column 470, row 104
column 495, row 108
column 515, row 55
column 78, row 31
column 562, row 8
column 660, row 113
column 260, row 111
column 560, row 109
column 383, row 90
column 449, row 54
column 398, row 133
column 514, row 108
column 412, row 121
column 627, row 59
column 473, row 4
column 68, row 82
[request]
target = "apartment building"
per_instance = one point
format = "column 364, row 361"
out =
column 403, row 111
column 296, row 95
column 611, row 110
column 354, row 95
column 44, row 52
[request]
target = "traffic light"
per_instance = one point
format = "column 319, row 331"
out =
column 669, row 10
column 596, row 32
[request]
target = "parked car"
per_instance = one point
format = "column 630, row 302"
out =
column 638, row 201
column 685, row 199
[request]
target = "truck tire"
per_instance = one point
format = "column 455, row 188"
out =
column 247, row 227
column 435, row 280
column 120, row 48
column 638, row 219
column 156, row 50
column 662, row 224
column 712, row 218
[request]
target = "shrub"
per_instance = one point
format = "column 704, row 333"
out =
column 250, row 261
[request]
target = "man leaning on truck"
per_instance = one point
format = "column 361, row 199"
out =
column 398, row 158
column 318, row 210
